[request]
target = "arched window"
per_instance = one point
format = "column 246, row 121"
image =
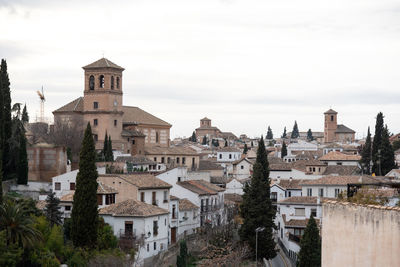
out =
column 91, row 82
column 117, row 82
column 157, row 137
column 101, row 81
column 112, row 82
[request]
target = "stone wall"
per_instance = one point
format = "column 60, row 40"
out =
column 360, row 235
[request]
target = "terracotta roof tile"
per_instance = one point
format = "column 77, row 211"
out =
column 136, row 115
column 102, row 63
column 185, row 204
column 341, row 170
column 103, row 189
column 144, row 181
column 336, row 155
column 343, row 129
column 73, row 106
column 171, row 197
column 291, row 183
column 300, row 200
column 133, row 208
column 201, row 187
column 209, row 165
column 343, row 180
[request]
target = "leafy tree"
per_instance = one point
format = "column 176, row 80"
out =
column 10, row 255
column 245, row 149
column 18, row 225
column 205, row 141
column 283, row 150
column 105, row 236
column 215, row 142
column 366, row 154
column 284, row 135
column 52, row 209
column 310, row 246
column 182, row 258
column 55, row 241
column 84, row 213
column 309, row 135
column 386, row 160
column 377, row 142
column 5, row 94
column 256, row 208
column 270, row 135
column 295, row 131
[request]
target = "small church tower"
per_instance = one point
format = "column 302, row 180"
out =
column 102, row 100
column 330, row 126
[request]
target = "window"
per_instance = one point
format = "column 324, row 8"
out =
column 313, row 169
column 314, row 212
column 241, row 167
column 309, row 192
column 115, row 123
column 155, row 245
column 101, row 81
column 220, row 156
column 299, row 212
column 153, row 198
column 331, row 117
column 95, row 122
column 179, row 179
column 165, row 196
column 183, row 160
column 99, row 200
column 230, row 156
column 298, row 232
column 274, row 196
column 117, row 82
column 155, row 228
column 71, row 186
column 68, row 208
column 290, row 193
column 96, row 137
column 157, row 137
column 177, row 160
column 173, row 211
column 110, row 199
column 95, row 105
column 142, row 196
column 337, row 192
column 338, row 163
column 321, row 192
column 148, row 247
column 155, row 159
column 133, row 141
column 57, row 186
column 112, row 82
column 91, row 82
column 162, row 160
column 168, row 160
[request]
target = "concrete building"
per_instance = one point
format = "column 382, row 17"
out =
column 334, row 132
column 102, row 106
column 357, row 235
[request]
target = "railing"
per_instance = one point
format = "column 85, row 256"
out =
column 211, row 208
column 294, row 238
column 126, row 234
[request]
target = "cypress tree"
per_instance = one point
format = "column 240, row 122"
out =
column 366, row 154
column 181, row 259
column 194, row 138
column 310, row 246
column 205, row 141
column 8, row 169
column 226, row 143
column 245, row 149
column 387, row 154
column 252, row 144
column 105, row 147
column 1, row 140
column 1, row 175
column 52, row 209
column 256, row 208
column 22, row 169
column 295, row 131
column 377, row 142
column 25, row 116
column 270, row 135
column 283, row 150
column 309, row 135
column 284, row 135
column 110, row 156
column 84, row 213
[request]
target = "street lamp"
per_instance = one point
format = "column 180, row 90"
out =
column 259, row 229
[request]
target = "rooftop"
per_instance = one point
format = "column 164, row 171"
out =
column 75, row 106
column 336, row 155
column 102, row 63
column 343, row 129
column 330, row 111
column 209, row 165
column 157, row 150
column 185, row 204
column 343, row 180
column 201, row 187
column 135, row 115
column 141, row 180
column 133, row 208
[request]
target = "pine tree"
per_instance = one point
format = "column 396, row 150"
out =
column 84, row 213
column 22, row 169
column 270, row 135
column 310, row 246
column 194, row 138
column 8, row 166
column 309, row 135
column 110, row 155
column 245, row 149
column 283, row 150
column 377, row 142
column 105, row 147
column 387, row 162
column 256, row 208
column 52, row 209
column 1, row 174
column 295, row 131
column 366, row 154
column 284, row 135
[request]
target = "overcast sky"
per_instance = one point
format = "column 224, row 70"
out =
column 244, row 64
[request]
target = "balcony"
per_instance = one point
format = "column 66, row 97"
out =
column 294, row 238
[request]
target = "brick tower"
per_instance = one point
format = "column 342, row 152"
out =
column 330, row 126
